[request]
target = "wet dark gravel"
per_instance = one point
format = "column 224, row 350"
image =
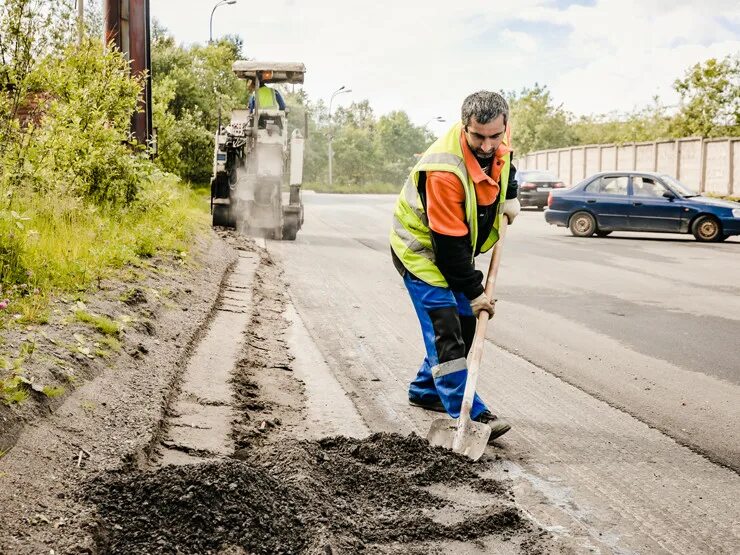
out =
column 337, row 495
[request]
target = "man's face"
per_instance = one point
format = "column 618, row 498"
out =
column 484, row 138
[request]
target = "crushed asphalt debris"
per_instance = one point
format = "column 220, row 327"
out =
column 335, row 495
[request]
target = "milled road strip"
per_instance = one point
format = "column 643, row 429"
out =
column 201, row 427
column 329, row 411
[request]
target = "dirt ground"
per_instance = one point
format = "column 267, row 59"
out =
column 88, row 473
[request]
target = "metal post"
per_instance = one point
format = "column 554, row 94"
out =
column 655, row 156
column 340, row 90
column 677, row 151
column 80, row 20
column 702, row 165
column 634, row 156
column 127, row 28
column 210, row 23
column 731, row 166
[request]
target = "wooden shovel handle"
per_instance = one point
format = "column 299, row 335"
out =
column 476, row 349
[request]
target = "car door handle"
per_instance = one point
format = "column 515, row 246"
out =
column 591, row 201
column 637, row 203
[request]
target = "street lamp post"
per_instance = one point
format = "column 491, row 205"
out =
column 438, row 118
column 210, row 26
column 340, row 90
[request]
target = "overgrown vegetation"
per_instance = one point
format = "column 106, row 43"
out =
column 79, row 199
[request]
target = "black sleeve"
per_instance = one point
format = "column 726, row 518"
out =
column 454, row 258
column 513, row 187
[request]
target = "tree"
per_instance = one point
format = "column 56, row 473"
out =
column 647, row 124
column 192, row 88
column 536, row 122
column 397, row 141
column 710, row 99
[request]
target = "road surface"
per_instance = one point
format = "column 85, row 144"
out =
column 616, row 360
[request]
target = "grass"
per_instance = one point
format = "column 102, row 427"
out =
column 346, row 188
column 103, row 324
column 59, row 245
column 111, row 342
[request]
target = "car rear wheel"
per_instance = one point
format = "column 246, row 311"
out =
column 600, row 233
column 707, row 229
column 582, row 224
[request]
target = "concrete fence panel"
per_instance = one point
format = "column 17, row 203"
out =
column 592, row 160
column 645, row 157
column 579, row 164
column 667, row 158
column 625, row 157
column 689, row 163
column 717, row 166
column 706, row 165
column 608, row 158
column 564, row 172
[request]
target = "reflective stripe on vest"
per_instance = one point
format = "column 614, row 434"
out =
column 266, row 99
column 410, row 235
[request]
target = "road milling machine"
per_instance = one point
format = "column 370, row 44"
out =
column 255, row 158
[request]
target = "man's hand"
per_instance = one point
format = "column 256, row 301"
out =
column 512, row 208
column 482, row 302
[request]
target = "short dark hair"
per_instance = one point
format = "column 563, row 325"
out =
column 485, row 106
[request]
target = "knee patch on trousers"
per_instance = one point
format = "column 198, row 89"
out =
column 448, row 337
column 467, row 325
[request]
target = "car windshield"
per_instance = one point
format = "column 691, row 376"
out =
column 679, row 187
column 536, row 176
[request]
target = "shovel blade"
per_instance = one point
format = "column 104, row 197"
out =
column 474, row 440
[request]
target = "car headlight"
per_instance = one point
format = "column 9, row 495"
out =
column 736, row 212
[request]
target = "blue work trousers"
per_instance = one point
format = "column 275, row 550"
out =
column 443, row 373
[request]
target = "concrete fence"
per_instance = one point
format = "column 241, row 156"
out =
column 706, row 165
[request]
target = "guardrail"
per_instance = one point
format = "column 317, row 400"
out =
column 707, row 165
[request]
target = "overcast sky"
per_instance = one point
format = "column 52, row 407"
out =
column 424, row 57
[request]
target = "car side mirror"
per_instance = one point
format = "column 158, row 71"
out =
column 669, row 195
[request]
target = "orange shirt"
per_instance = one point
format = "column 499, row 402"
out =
column 446, row 195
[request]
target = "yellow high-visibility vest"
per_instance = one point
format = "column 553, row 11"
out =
column 410, row 236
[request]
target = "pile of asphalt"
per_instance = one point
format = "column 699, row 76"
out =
column 336, row 494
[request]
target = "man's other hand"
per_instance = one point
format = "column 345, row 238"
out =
column 512, row 208
column 482, row 302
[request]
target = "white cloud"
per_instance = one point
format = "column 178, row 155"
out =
column 425, row 56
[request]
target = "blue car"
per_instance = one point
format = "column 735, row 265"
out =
column 641, row 201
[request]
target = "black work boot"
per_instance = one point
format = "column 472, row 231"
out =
column 499, row 426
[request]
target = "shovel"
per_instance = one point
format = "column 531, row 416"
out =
column 463, row 435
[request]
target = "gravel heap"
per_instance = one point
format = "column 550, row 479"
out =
column 334, row 495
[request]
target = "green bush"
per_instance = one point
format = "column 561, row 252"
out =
column 80, row 148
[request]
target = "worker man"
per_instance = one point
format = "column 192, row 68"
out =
column 448, row 212
column 269, row 98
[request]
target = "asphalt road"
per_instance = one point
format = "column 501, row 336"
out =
column 616, row 359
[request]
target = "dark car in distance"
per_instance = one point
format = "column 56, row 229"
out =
column 641, row 201
column 535, row 186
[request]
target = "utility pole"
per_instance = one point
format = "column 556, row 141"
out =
column 340, row 90
column 127, row 27
column 80, row 20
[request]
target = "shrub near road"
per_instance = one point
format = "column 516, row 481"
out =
column 78, row 201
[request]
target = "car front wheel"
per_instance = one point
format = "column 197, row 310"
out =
column 707, row 228
column 582, row 224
